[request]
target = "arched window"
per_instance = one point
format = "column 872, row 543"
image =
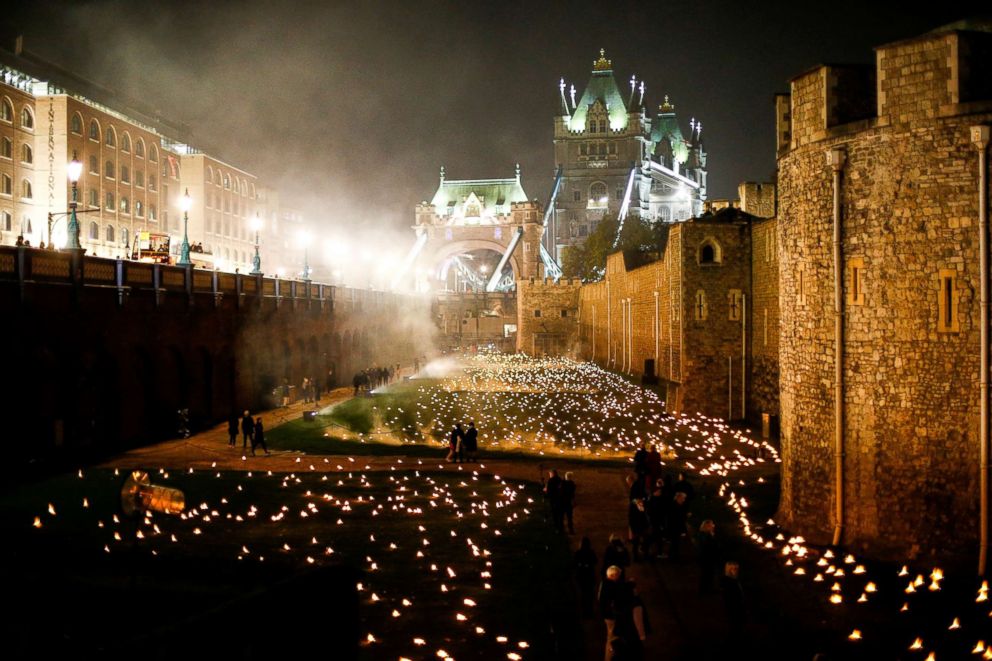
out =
column 108, row 201
column 26, row 228
column 664, row 214
column 210, row 174
column 94, row 130
column 709, row 252
column 111, row 138
column 598, row 197
column 125, row 142
column 151, row 182
column 125, row 237
column 94, row 231
column 217, row 178
column 26, row 192
column 227, row 181
column 94, row 198
column 6, row 185
column 109, row 171
column 76, row 125
column 7, row 148
column 139, row 210
column 94, row 165
column 110, row 233
column 139, row 178
column 6, row 221
column 27, row 118
column 139, row 148
column 125, row 204
column 27, row 154
column 125, row 174
column 7, row 110
column 152, row 212
column 153, row 154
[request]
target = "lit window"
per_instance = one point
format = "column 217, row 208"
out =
column 6, row 185
column 139, row 210
column 94, row 197
column 125, row 204
column 94, row 233
column 598, row 197
column 110, row 233
column 108, row 202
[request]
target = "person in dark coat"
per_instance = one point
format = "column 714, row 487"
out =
column 708, row 555
column 232, row 430
column 552, row 492
column 585, row 576
column 616, row 554
column 637, row 516
column 609, row 596
column 567, row 492
column 657, row 517
column 641, row 461
column 632, row 625
column 454, row 440
column 683, row 485
column 733, row 599
column 675, row 527
column 471, row 442
column 247, row 430
column 654, row 463
column 258, row 438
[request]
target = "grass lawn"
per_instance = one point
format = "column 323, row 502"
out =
column 453, row 562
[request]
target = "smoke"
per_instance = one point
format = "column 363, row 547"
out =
column 439, row 368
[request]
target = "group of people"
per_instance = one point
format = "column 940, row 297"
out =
column 252, row 431
column 463, row 444
column 374, row 377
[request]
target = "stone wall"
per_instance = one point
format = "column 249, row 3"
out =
column 763, row 317
column 547, row 319
column 910, row 389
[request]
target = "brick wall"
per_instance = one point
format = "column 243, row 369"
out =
column 547, row 319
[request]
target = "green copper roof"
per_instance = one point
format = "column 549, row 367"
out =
column 602, row 87
column 494, row 197
column 666, row 127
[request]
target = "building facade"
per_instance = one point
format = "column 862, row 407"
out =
column 881, row 438
column 615, row 157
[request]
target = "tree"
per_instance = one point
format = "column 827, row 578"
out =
column 587, row 261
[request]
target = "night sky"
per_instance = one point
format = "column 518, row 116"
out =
column 350, row 108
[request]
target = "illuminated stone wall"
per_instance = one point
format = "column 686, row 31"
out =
column 547, row 321
column 910, row 196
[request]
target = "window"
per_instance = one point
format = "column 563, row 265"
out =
column 537, row 313
column 152, row 212
column 613, row 148
column 94, row 165
column 125, row 204
column 709, row 252
column 734, row 304
column 139, row 210
column 26, row 225
column 947, row 302
column 6, row 221
column 620, row 190
column 7, row 110
column 227, row 181
column 76, row 124
column 27, row 118
column 108, row 202
column 125, row 142
column 564, row 313
column 94, row 198
column 108, row 170
column 577, row 196
column 6, row 185
column 7, row 148
column 855, row 284
column 139, row 178
column 94, row 130
column 110, row 234
column 111, row 139
column 94, row 232
column 699, row 307
column 125, row 237
column 125, row 174
column 151, row 182
column 602, row 126
column 598, row 197
column 26, row 191
column 801, row 286
column 139, row 148
column 153, row 154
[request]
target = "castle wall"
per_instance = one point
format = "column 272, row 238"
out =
column 763, row 318
column 547, row 323
column 910, row 366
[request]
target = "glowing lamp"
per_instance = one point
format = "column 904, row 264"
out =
column 75, row 169
column 186, row 202
column 255, row 223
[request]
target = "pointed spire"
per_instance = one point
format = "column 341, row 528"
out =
column 518, row 173
column 666, row 106
column 442, row 174
column 571, row 92
column 563, row 110
column 640, row 100
column 633, row 90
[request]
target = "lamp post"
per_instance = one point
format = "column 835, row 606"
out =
column 305, row 240
column 72, row 242
column 185, row 202
column 256, row 262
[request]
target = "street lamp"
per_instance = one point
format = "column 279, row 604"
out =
column 185, row 203
column 256, row 224
column 305, row 240
column 75, row 169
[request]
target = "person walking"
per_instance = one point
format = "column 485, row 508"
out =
column 609, row 596
column 454, row 440
column 232, row 429
column 258, row 437
column 247, row 429
column 616, row 554
column 552, row 492
column 568, row 501
column 585, row 576
column 471, row 442
column 675, row 527
column 708, row 555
